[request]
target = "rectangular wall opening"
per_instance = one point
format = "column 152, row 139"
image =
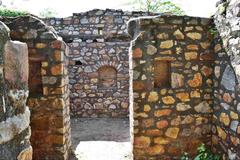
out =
column 162, row 78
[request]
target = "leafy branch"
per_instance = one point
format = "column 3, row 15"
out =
column 202, row 154
column 157, row 6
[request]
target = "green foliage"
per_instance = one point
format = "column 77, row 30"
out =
column 213, row 31
column 202, row 154
column 157, row 6
column 47, row 13
column 185, row 156
column 11, row 13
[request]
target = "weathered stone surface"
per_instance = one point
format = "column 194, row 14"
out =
column 176, row 121
column 225, row 106
column 155, row 150
column 217, row 48
column 137, row 85
column 187, row 120
column 166, row 44
column 161, row 140
column 234, row 125
column 178, row 34
column 177, row 80
column 151, row 50
column 14, row 126
column 228, row 79
column 195, row 94
column 183, row 107
column 172, row 132
column 184, row 97
column 168, row 100
column 164, row 112
column 16, row 64
column 162, row 36
column 196, row 81
column 25, row 154
column 191, row 55
column 205, row 45
column 234, row 115
column 162, row 124
column 57, row 69
column 194, row 35
column 227, row 98
column 147, row 108
column 141, row 142
column 217, row 71
column 206, row 71
column 148, row 122
column 31, row 34
column 41, row 45
column 192, row 47
column 224, row 118
column 166, row 52
column 221, row 133
column 153, row 97
column 203, row 107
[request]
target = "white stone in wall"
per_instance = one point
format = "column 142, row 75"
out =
column 14, row 126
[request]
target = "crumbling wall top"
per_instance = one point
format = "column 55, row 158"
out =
column 35, row 28
column 139, row 24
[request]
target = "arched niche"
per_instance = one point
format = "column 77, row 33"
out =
column 107, row 76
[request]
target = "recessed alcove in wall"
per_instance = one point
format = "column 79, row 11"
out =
column 107, row 77
column 162, row 74
column 35, row 80
column 100, row 31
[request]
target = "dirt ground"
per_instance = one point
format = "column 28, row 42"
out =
column 101, row 139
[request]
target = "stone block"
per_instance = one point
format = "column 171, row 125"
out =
column 26, row 154
column 153, row 97
column 16, row 64
column 155, row 150
column 196, row 81
column 184, row 96
column 228, row 78
column 162, row 124
column 168, row 100
column 163, row 112
column 172, row 132
column 194, row 35
column 142, row 142
column 166, row 44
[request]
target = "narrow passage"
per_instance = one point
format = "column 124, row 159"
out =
column 101, row 139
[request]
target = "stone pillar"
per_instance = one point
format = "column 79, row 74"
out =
column 48, row 87
column 14, row 114
column 172, row 69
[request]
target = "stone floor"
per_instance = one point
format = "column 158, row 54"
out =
column 101, row 139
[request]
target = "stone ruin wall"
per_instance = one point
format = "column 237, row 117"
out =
column 226, row 125
column 99, row 44
column 180, row 121
column 175, row 115
column 197, row 102
column 14, row 113
column 48, row 87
